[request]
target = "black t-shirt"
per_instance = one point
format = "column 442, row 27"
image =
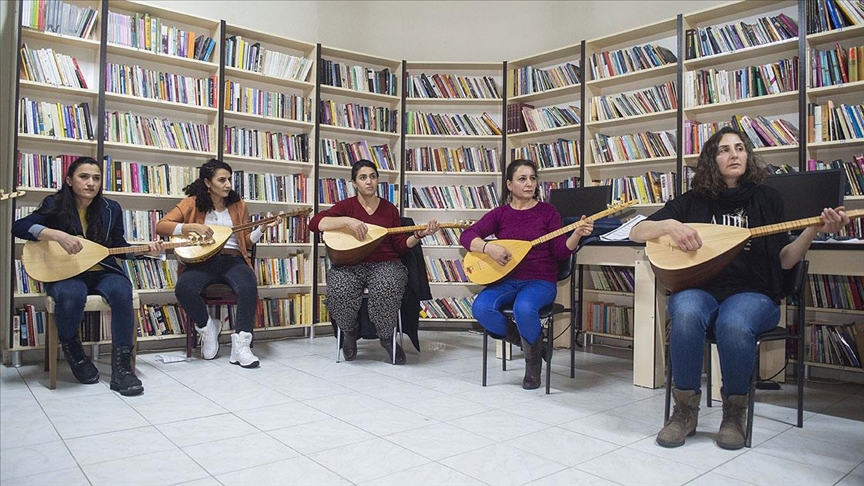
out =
column 757, row 267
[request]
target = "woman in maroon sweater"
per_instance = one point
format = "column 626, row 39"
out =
column 533, row 283
column 381, row 272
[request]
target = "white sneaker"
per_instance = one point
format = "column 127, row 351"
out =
column 241, row 354
column 208, row 337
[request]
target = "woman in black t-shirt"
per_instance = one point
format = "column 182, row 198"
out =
column 743, row 300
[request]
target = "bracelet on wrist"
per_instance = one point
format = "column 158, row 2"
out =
column 484, row 247
column 417, row 235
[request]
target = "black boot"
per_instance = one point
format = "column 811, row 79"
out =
column 533, row 364
column 123, row 379
column 83, row 369
column 349, row 344
column 512, row 336
column 387, row 343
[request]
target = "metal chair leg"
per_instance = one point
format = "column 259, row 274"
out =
column 338, row 343
column 485, row 350
column 668, row 386
column 709, row 362
column 751, row 399
column 550, row 337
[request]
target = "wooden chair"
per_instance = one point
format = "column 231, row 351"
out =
column 795, row 287
column 95, row 303
column 547, row 318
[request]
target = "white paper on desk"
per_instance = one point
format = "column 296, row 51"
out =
column 622, row 232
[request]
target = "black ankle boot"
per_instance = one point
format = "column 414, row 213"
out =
column 387, row 343
column 533, row 364
column 83, row 369
column 349, row 344
column 123, row 379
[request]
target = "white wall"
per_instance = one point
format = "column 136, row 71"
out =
column 456, row 30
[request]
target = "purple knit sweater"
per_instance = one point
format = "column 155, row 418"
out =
column 541, row 263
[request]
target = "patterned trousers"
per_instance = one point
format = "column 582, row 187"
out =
column 386, row 283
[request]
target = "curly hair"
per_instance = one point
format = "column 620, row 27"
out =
column 511, row 169
column 708, row 179
column 199, row 189
column 65, row 210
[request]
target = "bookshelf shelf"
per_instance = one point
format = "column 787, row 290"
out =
column 836, row 35
column 268, row 162
column 630, row 163
column 789, row 46
column 763, row 151
column 832, row 367
column 854, row 87
column 162, row 59
column 548, row 170
column 526, row 137
column 829, row 310
column 470, row 138
column 50, row 88
column 571, row 91
column 249, row 117
column 837, row 144
column 608, row 292
column 358, row 132
column 156, row 150
column 59, row 39
column 137, row 100
column 785, row 100
column 365, row 95
column 450, row 210
column 424, row 173
column 231, row 72
column 660, row 116
column 455, row 319
column 26, row 137
column 455, row 101
column 641, row 75
column 607, row 335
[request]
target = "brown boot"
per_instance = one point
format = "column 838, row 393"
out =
column 533, row 364
column 682, row 423
column 731, row 435
column 512, row 336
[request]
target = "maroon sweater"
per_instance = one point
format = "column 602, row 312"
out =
column 386, row 215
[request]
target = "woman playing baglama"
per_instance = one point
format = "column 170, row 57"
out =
column 533, row 283
column 78, row 209
column 740, row 303
column 212, row 201
column 382, row 273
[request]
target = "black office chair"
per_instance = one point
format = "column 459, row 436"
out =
column 794, row 286
column 547, row 318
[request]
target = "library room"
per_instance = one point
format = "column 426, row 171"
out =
column 369, row 242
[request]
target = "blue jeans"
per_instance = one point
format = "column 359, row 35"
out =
column 735, row 322
column 527, row 297
column 70, row 296
column 227, row 269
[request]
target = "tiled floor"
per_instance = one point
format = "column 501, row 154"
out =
column 303, row 419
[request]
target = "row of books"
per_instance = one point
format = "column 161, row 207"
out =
column 449, row 86
column 139, row 224
column 836, row 66
column 447, row 308
column 352, row 115
column 293, row 229
column 607, row 64
column 711, row 86
column 606, row 318
column 140, row 178
column 835, row 345
column 23, row 283
column 148, row 33
column 613, row 279
column 546, row 187
column 241, row 54
column 265, row 103
column 345, row 154
column 452, row 159
column 830, row 122
column 719, row 39
column 158, row 85
column 632, row 146
column 283, row 271
column 548, row 117
column 529, row 79
column 766, row 132
column 825, row 15
column 264, row 144
column 55, row 119
column 134, row 129
column 50, row 67
column 151, row 274
column 419, row 123
column 331, row 191
column 655, row 99
column 163, row 320
column 296, row 309
column 853, row 172
column 452, row 197
column 291, row 188
column 28, row 327
column 42, row 171
column 358, row 78
column 560, row 153
column 444, row 237
column 837, row 291
column 445, row 270
column 58, row 17
column 649, row 188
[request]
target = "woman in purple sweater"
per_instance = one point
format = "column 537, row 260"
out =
column 382, row 273
column 533, row 283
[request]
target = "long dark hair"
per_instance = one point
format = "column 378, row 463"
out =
column 64, row 212
column 511, row 169
column 708, row 179
column 199, row 189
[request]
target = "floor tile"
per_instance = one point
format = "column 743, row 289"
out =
column 387, row 420
column 299, row 471
column 438, row 441
column 498, row 425
column 714, row 479
column 228, row 455
column 280, row 416
column 446, row 407
column 813, row 452
column 762, row 469
column 368, row 460
column 93, row 449
column 167, row 467
column 25, row 425
column 562, row 446
column 205, row 429
column 319, row 436
column 36, row 459
column 92, row 414
column 612, row 429
column 173, row 404
column 571, row 477
column 345, row 404
column 67, row 477
column 501, row 464
column 432, row 474
column 628, row 466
